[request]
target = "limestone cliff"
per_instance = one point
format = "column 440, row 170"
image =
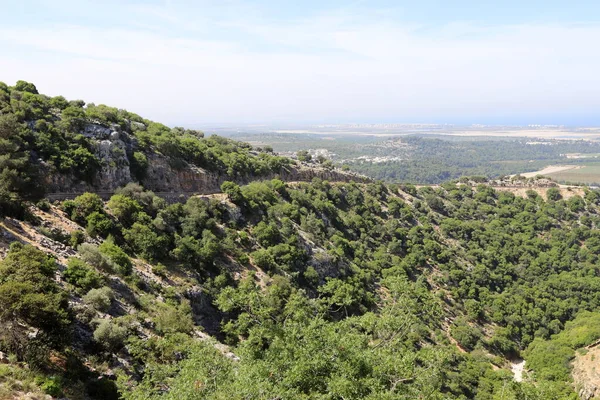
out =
column 113, row 146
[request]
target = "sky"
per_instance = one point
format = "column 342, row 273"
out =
column 198, row 63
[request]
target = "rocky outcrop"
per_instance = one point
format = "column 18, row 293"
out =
column 162, row 177
column 113, row 147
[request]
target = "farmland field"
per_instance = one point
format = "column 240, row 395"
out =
column 588, row 174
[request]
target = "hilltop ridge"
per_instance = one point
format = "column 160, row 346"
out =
column 66, row 147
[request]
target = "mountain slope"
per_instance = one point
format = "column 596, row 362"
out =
column 314, row 289
column 60, row 147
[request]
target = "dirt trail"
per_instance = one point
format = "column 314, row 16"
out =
column 550, row 169
column 517, row 368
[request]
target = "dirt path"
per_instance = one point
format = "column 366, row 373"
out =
column 517, row 368
column 550, row 169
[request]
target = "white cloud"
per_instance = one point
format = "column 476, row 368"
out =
column 331, row 67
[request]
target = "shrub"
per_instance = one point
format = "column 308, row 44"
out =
column 76, row 238
column 99, row 299
column 55, row 234
column 124, row 208
column 52, row 386
column 110, row 334
column 145, row 241
column 92, row 255
column 159, row 269
column 303, row 155
column 264, row 260
column 28, row 292
column 465, row 334
column 553, row 194
column 117, row 256
column 233, row 191
column 83, row 206
column 80, row 274
column 98, row 224
column 139, row 165
column 266, row 234
column 171, row 319
column 43, row 205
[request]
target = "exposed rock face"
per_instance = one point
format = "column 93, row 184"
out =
column 162, row 177
column 113, row 147
column 115, row 171
column 96, row 131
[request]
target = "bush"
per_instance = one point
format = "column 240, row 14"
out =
column 92, row 255
column 43, row 205
column 553, row 194
column 110, row 335
column 52, row 386
column 76, row 238
column 160, row 270
column 139, row 165
column 465, row 334
column 171, row 319
column 80, row 274
column 266, row 234
column 28, row 292
column 303, row 155
column 233, row 191
column 117, row 256
column 98, row 224
column 100, row 299
column 55, row 234
column 144, row 241
column 263, row 259
column 124, row 208
column 83, row 206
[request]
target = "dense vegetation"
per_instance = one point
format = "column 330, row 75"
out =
column 436, row 160
column 323, row 291
column 42, row 136
column 429, row 159
column 317, row 290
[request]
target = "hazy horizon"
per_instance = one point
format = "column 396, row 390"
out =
column 265, row 62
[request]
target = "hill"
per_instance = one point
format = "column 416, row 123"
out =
column 325, row 289
column 58, row 148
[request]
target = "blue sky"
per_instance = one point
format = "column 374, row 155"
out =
column 195, row 63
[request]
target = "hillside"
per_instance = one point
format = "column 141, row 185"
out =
column 59, row 148
column 327, row 289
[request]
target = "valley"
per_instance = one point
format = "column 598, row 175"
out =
column 139, row 261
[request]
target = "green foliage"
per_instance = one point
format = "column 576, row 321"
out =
column 139, row 165
column 553, row 194
column 304, row 156
column 170, row 319
column 551, row 359
column 92, row 255
column 28, row 87
column 83, row 206
column 123, row 264
column 82, row 275
column 28, row 292
column 100, row 299
column 465, row 334
column 124, row 208
column 52, row 386
column 233, row 191
column 145, row 241
column 110, row 334
column 76, row 238
column 99, row 224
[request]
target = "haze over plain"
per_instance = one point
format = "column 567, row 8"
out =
column 197, row 63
